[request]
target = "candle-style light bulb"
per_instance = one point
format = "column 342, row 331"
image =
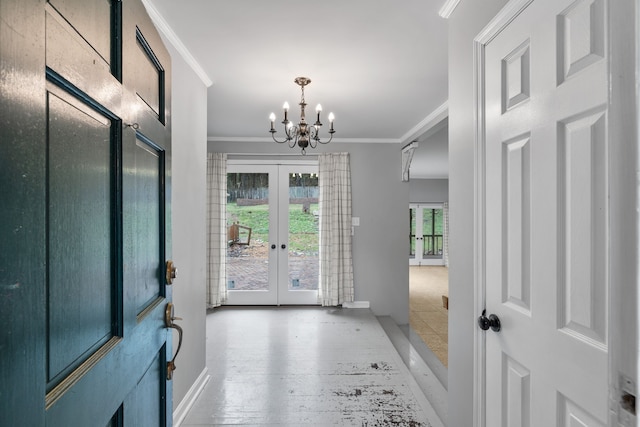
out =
column 331, row 119
column 318, row 111
column 272, row 118
column 286, row 111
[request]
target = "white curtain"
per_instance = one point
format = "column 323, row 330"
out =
column 445, row 233
column 216, row 228
column 336, row 266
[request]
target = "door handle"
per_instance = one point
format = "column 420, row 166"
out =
column 273, row 246
column 168, row 322
column 492, row 322
column 171, row 272
column 283, row 246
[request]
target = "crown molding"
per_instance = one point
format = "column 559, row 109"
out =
column 335, row 140
column 447, row 8
column 427, row 126
column 428, row 123
column 173, row 38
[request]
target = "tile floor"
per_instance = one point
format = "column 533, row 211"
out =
column 427, row 316
column 305, row 366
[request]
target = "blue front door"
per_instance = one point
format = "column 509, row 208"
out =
column 84, row 151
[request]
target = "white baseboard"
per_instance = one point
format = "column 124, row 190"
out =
column 356, row 304
column 189, row 399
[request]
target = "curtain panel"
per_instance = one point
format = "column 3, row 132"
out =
column 336, row 265
column 216, row 228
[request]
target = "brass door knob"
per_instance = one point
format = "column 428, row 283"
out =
column 171, row 272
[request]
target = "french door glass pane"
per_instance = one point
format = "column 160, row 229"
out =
column 432, row 233
column 427, row 231
column 248, row 231
column 412, row 232
column 303, row 231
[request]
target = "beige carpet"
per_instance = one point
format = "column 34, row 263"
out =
column 427, row 316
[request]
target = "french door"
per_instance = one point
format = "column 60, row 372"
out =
column 272, row 234
column 425, row 235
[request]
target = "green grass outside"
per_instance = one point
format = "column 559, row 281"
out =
column 303, row 227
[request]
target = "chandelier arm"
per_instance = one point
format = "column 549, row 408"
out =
column 315, row 136
column 293, row 133
column 326, row 142
column 273, row 135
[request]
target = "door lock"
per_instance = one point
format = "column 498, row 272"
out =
column 171, row 272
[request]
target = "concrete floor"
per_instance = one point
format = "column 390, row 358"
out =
column 305, row 366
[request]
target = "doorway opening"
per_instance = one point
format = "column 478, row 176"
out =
column 428, row 312
column 429, row 277
column 272, row 234
column 426, row 235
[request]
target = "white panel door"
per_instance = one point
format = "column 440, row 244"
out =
column 544, row 215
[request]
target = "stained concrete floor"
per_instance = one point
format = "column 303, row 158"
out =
column 305, row 366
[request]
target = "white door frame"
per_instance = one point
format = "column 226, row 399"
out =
column 624, row 116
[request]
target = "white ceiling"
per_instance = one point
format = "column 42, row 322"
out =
column 379, row 65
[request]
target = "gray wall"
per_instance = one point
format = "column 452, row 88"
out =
column 431, row 158
column 428, row 190
column 469, row 18
column 189, row 157
column 380, row 199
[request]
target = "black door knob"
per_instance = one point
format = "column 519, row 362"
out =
column 492, row 322
column 283, row 246
column 273, row 246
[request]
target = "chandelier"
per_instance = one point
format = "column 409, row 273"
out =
column 303, row 135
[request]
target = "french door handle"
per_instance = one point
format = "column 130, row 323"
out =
column 283, row 246
column 273, row 246
column 168, row 322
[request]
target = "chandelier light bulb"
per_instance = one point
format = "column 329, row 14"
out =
column 331, row 117
column 272, row 118
column 286, row 106
column 318, row 111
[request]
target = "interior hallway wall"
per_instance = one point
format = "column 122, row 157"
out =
column 188, row 205
column 380, row 199
column 468, row 19
column 428, row 190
